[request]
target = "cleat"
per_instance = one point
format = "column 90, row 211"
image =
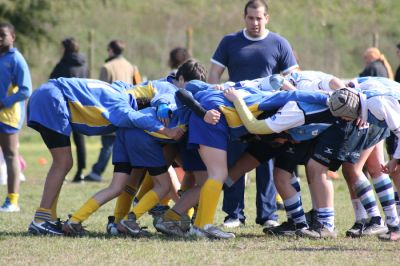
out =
column 131, row 227
column 316, row 231
column 51, row 228
column 73, row 229
column 112, row 226
column 93, row 177
column 375, row 226
column 287, row 228
column 196, row 232
column 232, row 223
column 158, row 210
column 8, row 207
column 173, row 228
column 311, row 216
column 393, row 234
column 357, row 229
column 213, row 232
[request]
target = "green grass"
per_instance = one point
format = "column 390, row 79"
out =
column 251, row 247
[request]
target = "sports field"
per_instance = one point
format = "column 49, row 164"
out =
column 251, row 247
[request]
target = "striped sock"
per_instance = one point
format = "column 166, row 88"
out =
column 384, row 189
column 294, row 209
column 42, row 215
column 359, row 210
column 326, row 216
column 364, row 192
column 397, row 199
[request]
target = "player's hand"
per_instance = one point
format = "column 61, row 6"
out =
column 390, row 167
column 173, row 133
column 287, row 86
column 164, row 113
column 218, row 87
column 361, row 123
column 231, row 94
column 212, row 117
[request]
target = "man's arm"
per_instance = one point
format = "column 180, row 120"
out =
column 215, row 73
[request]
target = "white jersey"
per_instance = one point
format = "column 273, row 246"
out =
column 310, row 80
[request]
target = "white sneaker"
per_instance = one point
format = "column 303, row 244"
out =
column 232, row 223
column 270, row 224
column 8, row 207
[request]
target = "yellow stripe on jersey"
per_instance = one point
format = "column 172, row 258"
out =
column 232, row 116
column 88, row 115
column 143, row 92
column 11, row 116
column 161, row 136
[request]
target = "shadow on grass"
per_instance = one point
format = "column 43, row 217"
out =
column 324, row 249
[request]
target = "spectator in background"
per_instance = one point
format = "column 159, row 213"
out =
column 376, row 64
column 115, row 68
column 397, row 76
column 177, row 57
column 15, row 88
column 73, row 65
column 251, row 53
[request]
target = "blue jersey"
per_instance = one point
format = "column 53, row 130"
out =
column 15, row 87
column 247, row 58
column 90, row 107
column 257, row 101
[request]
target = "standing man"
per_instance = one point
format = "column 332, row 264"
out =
column 15, row 88
column 251, row 53
column 115, row 68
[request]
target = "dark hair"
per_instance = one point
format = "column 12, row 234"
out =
column 255, row 4
column 398, row 45
column 177, row 56
column 70, row 45
column 191, row 70
column 117, row 46
column 9, row 26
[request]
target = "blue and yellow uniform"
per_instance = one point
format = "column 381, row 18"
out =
column 15, row 87
column 230, row 125
column 90, row 107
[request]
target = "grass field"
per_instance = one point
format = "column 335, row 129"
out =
column 251, row 247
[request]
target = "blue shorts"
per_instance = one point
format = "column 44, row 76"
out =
column 191, row 159
column 6, row 129
column 202, row 133
column 375, row 135
column 48, row 107
column 138, row 148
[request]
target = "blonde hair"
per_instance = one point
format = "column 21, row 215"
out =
column 374, row 54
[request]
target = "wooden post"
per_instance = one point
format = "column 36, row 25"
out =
column 189, row 40
column 91, row 52
column 375, row 39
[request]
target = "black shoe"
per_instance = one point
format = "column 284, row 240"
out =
column 287, row 228
column 93, row 177
column 311, row 216
column 78, row 177
column 357, row 229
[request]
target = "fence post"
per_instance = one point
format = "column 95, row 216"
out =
column 91, row 52
column 375, row 39
column 189, row 40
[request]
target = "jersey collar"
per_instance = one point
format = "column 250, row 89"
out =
column 255, row 39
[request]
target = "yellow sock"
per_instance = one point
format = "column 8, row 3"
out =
column 172, row 215
column 209, row 196
column 147, row 202
column 278, row 199
column 165, row 201
column 42, row 215
column 190, row 213
column 54, row 207
column 85, row 211
column 13, row 198
column 145, row 187
column 124, row 202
